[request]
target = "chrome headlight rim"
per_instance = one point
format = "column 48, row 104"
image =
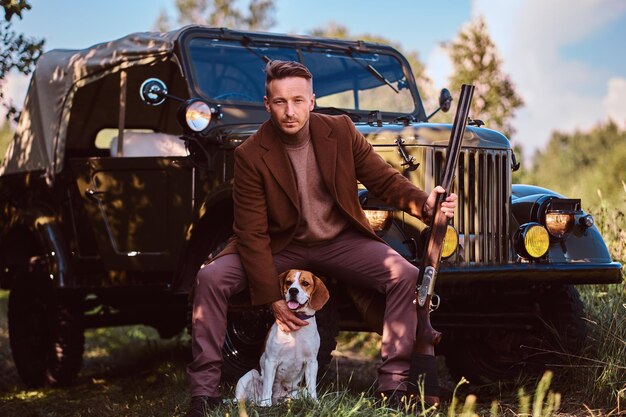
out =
column 559, row 223
column 195, row 115
column 558, row 215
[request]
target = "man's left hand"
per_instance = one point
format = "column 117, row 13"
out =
column 447, row 207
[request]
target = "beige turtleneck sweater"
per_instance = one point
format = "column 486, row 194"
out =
column 320, row 219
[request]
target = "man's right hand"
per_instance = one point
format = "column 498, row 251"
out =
column 286, row 320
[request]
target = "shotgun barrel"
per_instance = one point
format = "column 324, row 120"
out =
column 423, row 364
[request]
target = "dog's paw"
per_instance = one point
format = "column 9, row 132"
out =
column 265, row 403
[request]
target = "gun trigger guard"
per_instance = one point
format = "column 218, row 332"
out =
column 435, row 301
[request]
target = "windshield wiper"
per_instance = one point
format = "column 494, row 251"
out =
column 349, row 50
column 380, row 77
column 334, row 110
column 245, row 42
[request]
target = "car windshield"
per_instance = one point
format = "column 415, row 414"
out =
column 343, row 78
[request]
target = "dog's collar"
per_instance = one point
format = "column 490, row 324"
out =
column 303, row 316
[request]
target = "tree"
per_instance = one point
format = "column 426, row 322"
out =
column 586, row 164
column 220, row 13
column 475, row 60
column 338, row 31
column 17, row 52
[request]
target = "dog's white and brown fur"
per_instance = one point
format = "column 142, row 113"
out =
column 288, row 357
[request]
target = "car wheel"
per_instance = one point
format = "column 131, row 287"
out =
column 504, row 355
column 46, row 335
column 245, row 339
column 244, row 342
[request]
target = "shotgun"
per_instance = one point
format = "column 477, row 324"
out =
column 423, row 363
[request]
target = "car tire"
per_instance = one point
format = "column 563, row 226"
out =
column 46, row 335
column 504, row 355
column 244, row 342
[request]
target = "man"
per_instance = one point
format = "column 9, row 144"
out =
column 296, row 206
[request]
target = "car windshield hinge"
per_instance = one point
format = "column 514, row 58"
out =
column 375, row 116
column 405, row 120
column 475, row 122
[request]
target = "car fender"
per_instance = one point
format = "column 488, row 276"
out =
column 583, row 244
column 214, row 220
column 33, row 240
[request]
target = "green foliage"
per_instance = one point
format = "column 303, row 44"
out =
column 604, row 366
column 591, row 165
column 588, row 165
column 367, row 344
column 17, row 52
column 221, row 13
column 475, row 60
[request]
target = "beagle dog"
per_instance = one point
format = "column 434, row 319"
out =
column 288, row 357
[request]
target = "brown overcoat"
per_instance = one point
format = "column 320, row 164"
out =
column 266, row 204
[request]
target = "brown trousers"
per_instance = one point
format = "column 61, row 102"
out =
column 351, row 258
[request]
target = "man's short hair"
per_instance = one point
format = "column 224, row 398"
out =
column 276, row 70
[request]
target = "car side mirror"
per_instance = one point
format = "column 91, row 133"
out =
column 445, row 100
column 153, row 91
column 194, row 114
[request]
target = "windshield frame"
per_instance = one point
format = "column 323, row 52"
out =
column 300, row 45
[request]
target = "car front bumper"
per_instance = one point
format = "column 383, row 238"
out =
column 532, row 273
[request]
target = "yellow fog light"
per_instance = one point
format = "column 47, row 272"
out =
column 559, row 223
column 532, row 240
column 450, row 242
column 378, row 219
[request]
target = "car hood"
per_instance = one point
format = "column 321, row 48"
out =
column 417, row 134
column 432, row 134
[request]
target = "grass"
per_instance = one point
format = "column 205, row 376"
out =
column 604, row 367
column 129, row 371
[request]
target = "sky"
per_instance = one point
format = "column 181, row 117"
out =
column 566, row 58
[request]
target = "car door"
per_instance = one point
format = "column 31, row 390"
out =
column 139, row 209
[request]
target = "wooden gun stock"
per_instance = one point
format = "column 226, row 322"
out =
column 423, row 360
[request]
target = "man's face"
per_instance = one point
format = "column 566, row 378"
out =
column 289, row 103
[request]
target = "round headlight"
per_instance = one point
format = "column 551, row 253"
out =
column 197, row 115
column 450, row 242
column 559, row 223
column 532, row 240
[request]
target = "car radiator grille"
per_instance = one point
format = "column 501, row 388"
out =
column 482, row 183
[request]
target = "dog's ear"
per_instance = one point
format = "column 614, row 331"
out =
column 320, row 294
column 281, row 279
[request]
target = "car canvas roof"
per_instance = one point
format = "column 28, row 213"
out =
column 39, row 140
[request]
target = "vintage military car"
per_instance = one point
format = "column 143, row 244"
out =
column 117, row 187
